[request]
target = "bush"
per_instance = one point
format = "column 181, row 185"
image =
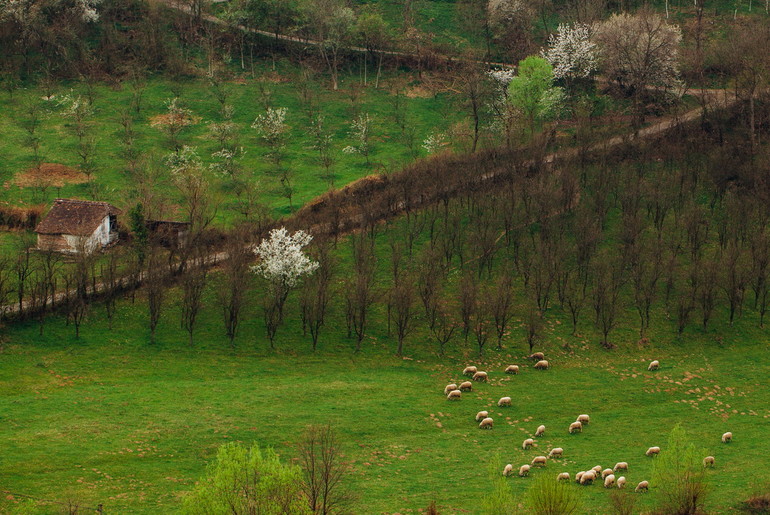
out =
column 622, row 502
column 679, row 476
column 243, row 481
column 759, row 502
column 547, row 496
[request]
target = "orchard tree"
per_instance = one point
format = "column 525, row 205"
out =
column 532, row 91
column 373, row 33
column 282, row 265
column 331, row 23
column 572, row 53
column 271, row 127
column 639, row 50
column 510, row 23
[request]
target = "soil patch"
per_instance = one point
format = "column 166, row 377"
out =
column 50, row 174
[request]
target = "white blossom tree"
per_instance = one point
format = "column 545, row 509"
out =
column 639, row 50
column 272, row 128
column 282, row 264
column 361, row 132
column 571, row 52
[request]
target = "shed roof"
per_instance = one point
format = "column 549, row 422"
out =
column 76, row 217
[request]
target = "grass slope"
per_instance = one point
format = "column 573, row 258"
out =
column 113, row 419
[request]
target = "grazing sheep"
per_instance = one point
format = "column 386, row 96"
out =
column 584, row 419
column 449, row 388
column 512, row 369
column 466, row 386
column 579, row 475
column 563, row 476
column 597, row 469
column 469, row 371
column 480, row 376
column 539, row 460
column 537, row 356
column 454, row 395
column 504, row 401
column 606, row 472
column 508, row 470
column 643, row 486
column 486, row 423
column 481, row 415
column 621, row 465
column 621, row 482
column 652, row 451
column 556, row 452
column 654, row 365
column 727, row 437
column 529, row 442
column 609, row 481
column 588, row 477
column 524, row 471
column 542, row 365
column 575, row 427
column 540, row 430
column 708, row 461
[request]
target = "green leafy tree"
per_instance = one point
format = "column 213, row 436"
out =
column 248, row 482
column 138, row 226
column 547, row 496
column 679, row 477
column 533, row 93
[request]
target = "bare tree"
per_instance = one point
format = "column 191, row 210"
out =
column 315, row 296
column 402, row 308
column 360, row 287
column 193, row 283
column 325, row 470
column 233, row 289
column 154, row 279
column 502, row 304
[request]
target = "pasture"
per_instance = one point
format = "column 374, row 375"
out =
column 113, row 419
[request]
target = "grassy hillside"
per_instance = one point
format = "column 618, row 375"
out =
column 113, row 419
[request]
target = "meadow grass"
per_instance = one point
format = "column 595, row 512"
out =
column 114, row 419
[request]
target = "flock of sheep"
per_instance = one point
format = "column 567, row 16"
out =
column 453, row 392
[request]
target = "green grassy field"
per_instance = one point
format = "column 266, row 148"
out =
column 113, row 419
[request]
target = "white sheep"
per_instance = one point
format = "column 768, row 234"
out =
column 597, row 469
column 449, row 388
column 529, row 442
column 537, row 356
column 584, row 419
column 504, row 401
column 454, row 395
column 609, row 481
column 480, row 376
column 621, row 482
column 524, row 471
column 606, row 472
column 708, row 461
column 540, row 430
column 542, row 365
column 466, row 386
column 481, row 415
column 512, row 369
column 487, row 423
column 540, row 460
column 643, row 486
column 652, row 451
column 556, row 452
column 563, row 476
column 621, row 465
column 469, row 371
column 508, row 470
column 727, row 437
column 588, row 477
column 575, row 427
column 654, row 365
column 579, row 475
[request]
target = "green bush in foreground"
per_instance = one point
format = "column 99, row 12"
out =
column 679, row 477
column 547, row 496
column 248, row 481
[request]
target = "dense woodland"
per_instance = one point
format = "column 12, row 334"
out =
column 471, row 181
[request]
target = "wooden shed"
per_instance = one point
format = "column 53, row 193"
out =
column 77, row 225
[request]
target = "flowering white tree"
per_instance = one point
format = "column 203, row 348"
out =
column 272, row 128
column 571, row 52
column 282, row 265
column 639, row 50
column 360, row 130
